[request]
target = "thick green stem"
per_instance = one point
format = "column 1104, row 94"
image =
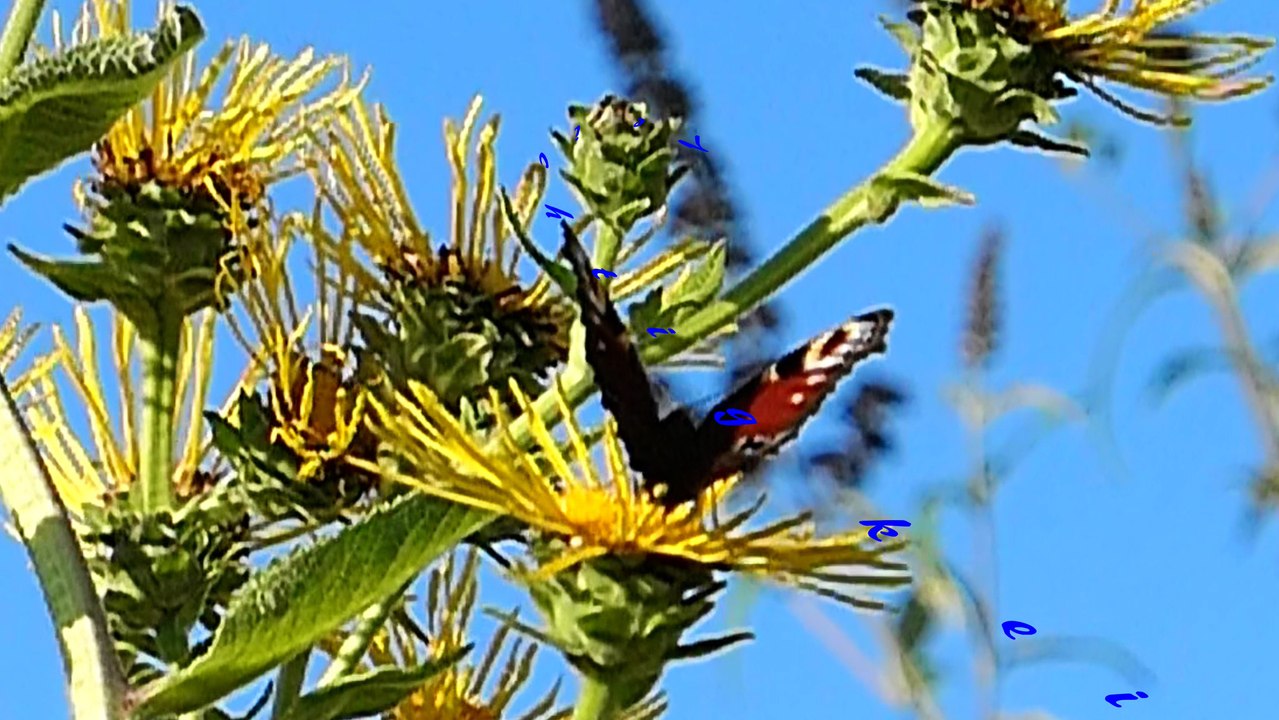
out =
column 872, row 201
column 595, row 700
column 23, row 17
column 95, row 681
column 158, row 344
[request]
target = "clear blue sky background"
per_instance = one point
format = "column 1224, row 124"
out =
column 1154, row 560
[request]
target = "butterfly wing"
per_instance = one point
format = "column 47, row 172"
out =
column 659, row 449
column 787, row 394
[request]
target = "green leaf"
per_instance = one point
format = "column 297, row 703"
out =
column 57, row 107
column 709, row 646
column 563, row 276
column 904, row 34
column 369, row 693
column 303, row 597
column 1030, row 139
column 695, row 287
column 925, row 190
column 86, row 281
column 894, row 85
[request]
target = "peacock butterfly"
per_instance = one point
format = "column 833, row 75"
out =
column 687, row 456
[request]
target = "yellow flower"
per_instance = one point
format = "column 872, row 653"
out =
column 317, row 403
column 1127, row 47
column 458, row 692
column 454, row 316
column 616, row 517
column 83, row 476
column 227, row 154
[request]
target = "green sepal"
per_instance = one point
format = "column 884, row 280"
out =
column 561, row 275
column 894, row 85
column 1031, row 139
column 54, row 108
column 249, row 446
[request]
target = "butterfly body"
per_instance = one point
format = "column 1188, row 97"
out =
column 684, row 455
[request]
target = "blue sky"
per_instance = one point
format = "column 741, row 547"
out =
column 1153, row 559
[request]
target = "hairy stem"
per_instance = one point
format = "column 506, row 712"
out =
column 872, row 201
column 95, row 680
column 353, row 647
column 158, row 344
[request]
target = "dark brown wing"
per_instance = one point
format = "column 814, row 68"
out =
column 786, row 395
column 659, row 449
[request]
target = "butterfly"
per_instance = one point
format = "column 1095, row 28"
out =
column 687, row 456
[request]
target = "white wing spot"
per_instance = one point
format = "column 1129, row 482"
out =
column 797, row 399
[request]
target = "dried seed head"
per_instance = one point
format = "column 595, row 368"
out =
column 982, row 329
column 1201, row 207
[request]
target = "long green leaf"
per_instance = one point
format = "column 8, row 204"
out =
column 57, row 107
column 303, row 597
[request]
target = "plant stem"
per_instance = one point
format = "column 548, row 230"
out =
column 95, row 680
column 288, row 686
column 353, row 647
column 23, row 17
column 158, row 345
column 869, row 202
column 595, row 700
column 1256, row 387
column 985, row 667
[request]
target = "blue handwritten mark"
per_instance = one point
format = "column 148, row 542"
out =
column 578, row 131
column 1020, row 628
column 596, row 272
column 542, row 157
column 698, row 146
column 742, row 417
column 1114, row 699
column 555, row 212
column 654, row 332
column 641, row 122
column 877, row 525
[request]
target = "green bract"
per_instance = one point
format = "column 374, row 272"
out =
column 968, row 72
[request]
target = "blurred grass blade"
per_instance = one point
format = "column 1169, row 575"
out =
column 303, row 597
column 56, row 107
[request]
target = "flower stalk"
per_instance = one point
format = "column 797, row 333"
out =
column 159, row 343
column 595, row 700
